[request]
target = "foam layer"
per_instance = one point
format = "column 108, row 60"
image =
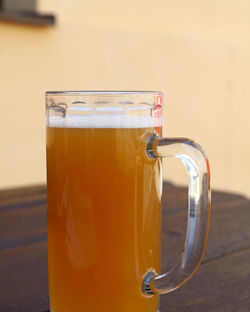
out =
column 104, row 121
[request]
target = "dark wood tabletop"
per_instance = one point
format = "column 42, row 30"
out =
column 222, row 282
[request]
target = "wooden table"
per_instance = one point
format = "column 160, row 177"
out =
column 222, row 283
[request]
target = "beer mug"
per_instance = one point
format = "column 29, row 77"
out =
column 104, row 174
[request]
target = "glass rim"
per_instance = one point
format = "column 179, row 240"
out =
column 102, row 92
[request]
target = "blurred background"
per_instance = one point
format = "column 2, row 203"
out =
column 196, row 52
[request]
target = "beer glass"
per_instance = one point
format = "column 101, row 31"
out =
column 104, row 174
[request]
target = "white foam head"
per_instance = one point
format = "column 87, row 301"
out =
column 104, row 121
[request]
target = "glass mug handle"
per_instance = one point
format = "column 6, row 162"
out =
column 196, row 163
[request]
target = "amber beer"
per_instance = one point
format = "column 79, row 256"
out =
column 104, row 219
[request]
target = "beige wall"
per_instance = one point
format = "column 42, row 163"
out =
column 197, row 52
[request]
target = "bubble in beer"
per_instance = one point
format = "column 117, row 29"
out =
column 104, row 121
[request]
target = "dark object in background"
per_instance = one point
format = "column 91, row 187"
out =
column 24, row 11
column 222, row 283
column 18, row 5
